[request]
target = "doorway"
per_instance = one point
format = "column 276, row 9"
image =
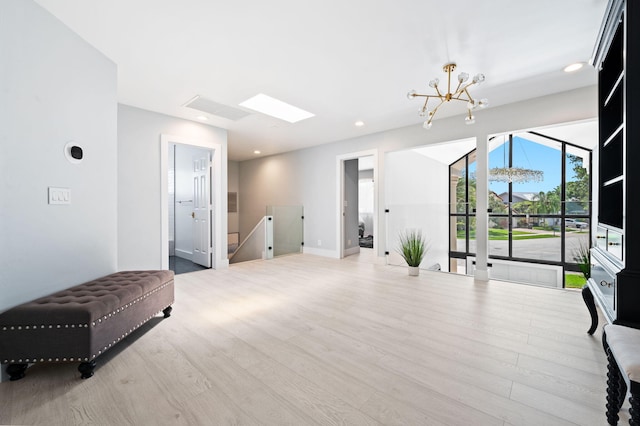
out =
column 189, row 188
column 357, row 203
column 366, row 196
column 205, row 162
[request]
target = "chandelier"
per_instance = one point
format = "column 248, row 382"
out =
column 514, row 174
column 461, row 93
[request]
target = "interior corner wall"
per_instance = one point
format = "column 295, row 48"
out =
column 270, row 181
column 308, row 176
column 139, row 186
column 55, row 88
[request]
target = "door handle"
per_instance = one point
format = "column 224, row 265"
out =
column 193, row 215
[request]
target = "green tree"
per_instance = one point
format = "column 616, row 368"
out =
column 496, row 204
column 461, row 194
column 548, row 202
column 577, row 190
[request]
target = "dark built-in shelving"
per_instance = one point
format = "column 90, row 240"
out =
column 615, row 258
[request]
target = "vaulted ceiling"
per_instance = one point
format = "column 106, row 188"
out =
column 341, row 60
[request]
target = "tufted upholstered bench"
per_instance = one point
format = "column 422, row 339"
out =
column 622, row 345
column 80, row 323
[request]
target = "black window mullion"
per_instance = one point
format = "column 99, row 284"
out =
column 510, row 245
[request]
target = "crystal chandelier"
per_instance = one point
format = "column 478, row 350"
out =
column 514, row 174
column 459, row 94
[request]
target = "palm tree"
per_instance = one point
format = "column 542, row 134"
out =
column 542, row 202
column 554, row 202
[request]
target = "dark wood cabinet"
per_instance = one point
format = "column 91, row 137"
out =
column 615, row 280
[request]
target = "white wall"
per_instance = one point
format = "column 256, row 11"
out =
column 417, row 194
column 306, row 176
column 55, row 88
column 139, row 184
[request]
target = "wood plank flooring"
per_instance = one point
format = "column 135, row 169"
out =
column 306, row 340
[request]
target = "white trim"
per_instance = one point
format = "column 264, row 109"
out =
column 184, row 254
column 321, row 252
column 352, row 250
column 517, row 268
column 481, row 275
column 218, row 243
column 340, row 159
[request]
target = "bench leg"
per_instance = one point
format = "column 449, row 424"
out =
column 16, row 371
column 613, row 389
column 622, row 391
column 634, row 411
column 167, row 311
column 86, row 368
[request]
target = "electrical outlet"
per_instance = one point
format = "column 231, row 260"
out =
column 348, row 242
column 319, row 243
column 59, row 195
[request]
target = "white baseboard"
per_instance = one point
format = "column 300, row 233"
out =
column 184, row 254
column 352, row 250
column 321, row 252
column 481, row 275
column 224, row 264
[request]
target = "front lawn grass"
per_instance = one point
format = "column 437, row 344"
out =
column 503, row 235
column 574, row 280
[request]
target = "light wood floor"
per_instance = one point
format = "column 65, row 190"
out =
column 306, row 340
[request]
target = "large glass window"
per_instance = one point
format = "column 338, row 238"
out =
column 539, row 200
column 462, row 187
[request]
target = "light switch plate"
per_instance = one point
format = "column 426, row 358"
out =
column 59, row 195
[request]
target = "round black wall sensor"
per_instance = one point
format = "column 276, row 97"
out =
column 73, row 153
column 76, row 152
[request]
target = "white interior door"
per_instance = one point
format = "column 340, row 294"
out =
column 202, row 209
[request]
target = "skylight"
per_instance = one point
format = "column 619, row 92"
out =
column 276, row 108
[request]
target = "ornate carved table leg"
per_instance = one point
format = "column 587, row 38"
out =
column 634, row 410
column 613, row 387
column 622, row 391
column 167, row 311
column 16, row 371
column 86, row 368
column 587, row 296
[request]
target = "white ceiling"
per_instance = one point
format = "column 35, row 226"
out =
column 341, row 60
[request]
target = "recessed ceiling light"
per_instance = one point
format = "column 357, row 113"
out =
column 202, row 117
column 276, row 108
column 359, row 123
column 573, row 67
column 256, row 152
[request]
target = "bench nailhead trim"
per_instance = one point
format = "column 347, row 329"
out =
column 105, row 317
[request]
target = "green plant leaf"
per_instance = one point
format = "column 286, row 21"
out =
column 582, row 256
column 412, row 247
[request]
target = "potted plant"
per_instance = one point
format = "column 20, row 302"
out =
column 582, row 256
column 412, row 248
